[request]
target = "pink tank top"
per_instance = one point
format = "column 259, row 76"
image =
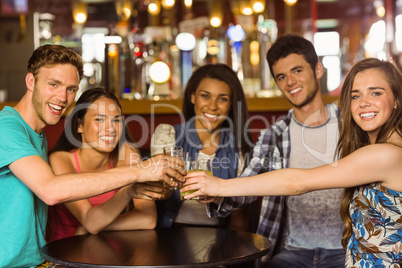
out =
column 64, row 224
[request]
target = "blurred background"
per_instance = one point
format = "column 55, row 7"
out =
column 147, row 49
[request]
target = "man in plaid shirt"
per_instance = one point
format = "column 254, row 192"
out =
column 305, row 230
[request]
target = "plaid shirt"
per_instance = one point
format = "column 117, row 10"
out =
column 271, row 152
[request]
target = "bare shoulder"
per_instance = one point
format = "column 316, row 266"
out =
column 377, row 161
column 369, row 164
column 60, row 156
column 382, row 161
column 388, row 150
column 384, row 153
column 379, row 148
column 390, row 159
column 62, row 162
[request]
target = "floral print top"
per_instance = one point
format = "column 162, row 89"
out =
column 377, row 228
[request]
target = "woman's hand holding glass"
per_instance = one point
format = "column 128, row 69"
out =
column 202, row 167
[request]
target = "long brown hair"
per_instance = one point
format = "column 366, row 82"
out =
column 352, row 137
column 70, row 138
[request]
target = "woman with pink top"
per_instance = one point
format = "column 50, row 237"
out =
column 95, row 138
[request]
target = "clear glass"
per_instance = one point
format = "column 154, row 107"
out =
column 176, row 151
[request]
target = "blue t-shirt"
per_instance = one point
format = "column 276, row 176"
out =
column 23, row 215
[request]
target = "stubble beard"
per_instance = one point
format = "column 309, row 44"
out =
column 38, row 104
column 308, row 98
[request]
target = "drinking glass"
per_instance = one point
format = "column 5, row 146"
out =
column 176, row 151
column 193, row 166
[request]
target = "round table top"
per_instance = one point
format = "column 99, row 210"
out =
column 173, row 247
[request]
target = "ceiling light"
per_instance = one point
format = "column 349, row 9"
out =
column 168, row 4
column 290, row 2
column 258, row 6
column 79, row 12
column 154, row 8
column 159, row 72
column 188, row 3
column 236, row 33
column 215, row 22
column 247, row 11
column 186, row 41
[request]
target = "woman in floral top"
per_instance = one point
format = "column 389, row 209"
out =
column 370, row 150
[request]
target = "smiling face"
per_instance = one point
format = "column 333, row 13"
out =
column 102, row 125
column 53, row 91
column 212, row 103
column 295, row 78
column 372, row 101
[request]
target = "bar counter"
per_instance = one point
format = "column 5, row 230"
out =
column 146, row 107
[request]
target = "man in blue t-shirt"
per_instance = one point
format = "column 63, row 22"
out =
column 27, row 183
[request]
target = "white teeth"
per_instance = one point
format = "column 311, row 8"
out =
column 107, row 138
column 211, row 115
column 368, row 115
column 55, row 107
column 295, row 90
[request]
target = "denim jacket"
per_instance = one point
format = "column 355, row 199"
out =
column 225, row 165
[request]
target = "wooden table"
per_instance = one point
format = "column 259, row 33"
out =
column 174, row 247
